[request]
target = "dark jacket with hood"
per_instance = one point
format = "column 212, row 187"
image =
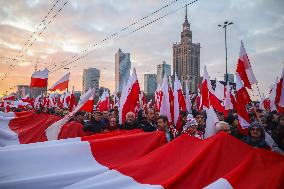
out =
column 260, row 143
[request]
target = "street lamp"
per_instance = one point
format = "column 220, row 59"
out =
column 226, row 23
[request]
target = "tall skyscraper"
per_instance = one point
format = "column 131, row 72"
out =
column 186, row 59
column 162, row 70
column 91, row 78
column 122, row 69
column 150, row 83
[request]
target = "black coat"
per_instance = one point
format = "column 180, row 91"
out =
column 127, row 126
column 148, row 127
column 94, row 126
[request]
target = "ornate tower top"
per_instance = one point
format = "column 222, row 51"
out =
column 186, row 25
column 186, row 34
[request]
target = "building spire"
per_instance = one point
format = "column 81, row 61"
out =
column 185, row 12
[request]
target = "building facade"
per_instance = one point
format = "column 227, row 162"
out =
column 150, row 83
column 91, row 79
column 122, row 69
column 186, row 59
column 162, row 70
column 22, row 90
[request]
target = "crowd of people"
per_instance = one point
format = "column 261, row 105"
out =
column 264, row 125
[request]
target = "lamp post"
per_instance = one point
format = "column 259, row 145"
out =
column 226, row 23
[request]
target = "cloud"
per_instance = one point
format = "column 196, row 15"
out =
column 84, row 23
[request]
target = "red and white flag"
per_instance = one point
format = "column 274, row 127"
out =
column 53, row 130
column 133, row 160
column 9, row 97
column 129, row 97
column 61, row 84
column 244, row 68
column 103, row 103
column 165, row 108
column 227, row 101
column 279, row 98
column 39, row 78
column 187, row 100
column 205, row 88
column 179, row 101
column 243, row 99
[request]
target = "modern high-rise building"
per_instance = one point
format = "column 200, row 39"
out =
column 122, row 69
column 162, row 70
column 150, row 83
column 91, row 79
column 186, row 59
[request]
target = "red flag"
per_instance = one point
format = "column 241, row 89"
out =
column 39, row 78
column 61, row 84
column 244, row 68
column 103, row 104
column 242, row 100
column 279, row 98
column 9, row 97
column 129, row 97
column 205, row 87
column 179, row 101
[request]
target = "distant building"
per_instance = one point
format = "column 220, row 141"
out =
column 91, row 79
column 150, row 83
column 122, row 69
column 162, row 70
column 22, row 90
column 186, row 59
column 36, row 91
column 230, row 78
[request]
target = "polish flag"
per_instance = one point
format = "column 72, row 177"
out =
column 179, row 101
column 165, row 108
column 272, row 95
column 244, row 68
column 9, row 97
column 187, row 100
column 211, row 121
column 233, row 98
column 227, row 101
column 205, row 88
column 103, row 104
column 89, row 162
column 61, row 84
column 39, row 78
column 219, row 90
column 25, row 127
column 53, row 130
column 26, row 98
column 279, row 98
column 129, row 97
column 216, row 104
column 242, row 100
column 88, row 106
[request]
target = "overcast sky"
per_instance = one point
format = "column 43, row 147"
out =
column 81, row 23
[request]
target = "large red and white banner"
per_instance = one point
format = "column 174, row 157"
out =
column 140, row 160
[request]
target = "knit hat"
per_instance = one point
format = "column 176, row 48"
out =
column 190, row 121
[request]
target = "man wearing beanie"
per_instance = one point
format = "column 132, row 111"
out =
column 190, row 127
